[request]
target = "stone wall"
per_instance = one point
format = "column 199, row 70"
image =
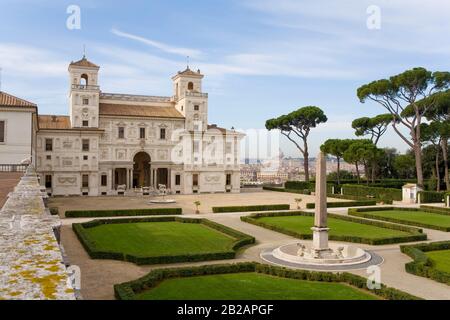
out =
column 31, row 263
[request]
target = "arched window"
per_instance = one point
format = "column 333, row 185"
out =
column 84, row 80
column 190, row 86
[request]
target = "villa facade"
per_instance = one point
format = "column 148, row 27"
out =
column 113, row 144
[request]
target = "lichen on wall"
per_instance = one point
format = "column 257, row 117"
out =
column 31, row 263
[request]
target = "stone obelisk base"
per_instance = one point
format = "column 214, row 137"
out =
column 320, row 246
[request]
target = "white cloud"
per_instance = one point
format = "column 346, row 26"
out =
column 159, row 45
column 27, row 61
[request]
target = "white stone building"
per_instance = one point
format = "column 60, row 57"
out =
column 18, row 125
column 118, row 143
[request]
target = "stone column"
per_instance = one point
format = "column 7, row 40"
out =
column 131, row 178
column 113, row 180
column 110, row 179
column 320, row 229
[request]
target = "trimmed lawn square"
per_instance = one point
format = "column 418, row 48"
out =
column 441, row 259
column 246, row 286
column 416, row 218
column 342, row 228
column 159, row 238
column 303, row 224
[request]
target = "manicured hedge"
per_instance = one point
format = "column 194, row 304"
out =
column 416, row 234
column 128, row 290
column 306, row 191
column 365, row 213
column 386, row 194
column 242, row 240
column 431, row 196
column 345, row 204
column 299, row 185
column 433, row 209
column 123, row 212
column 422, row 265
column 263, row 207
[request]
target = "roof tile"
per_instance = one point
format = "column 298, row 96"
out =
column 12, row 101
column 112, row 109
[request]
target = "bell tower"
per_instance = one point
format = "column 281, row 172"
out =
column 84, row 94
column 190, row 100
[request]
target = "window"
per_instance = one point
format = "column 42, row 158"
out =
column 162, row 133
column 177, row 180
column 85, row 123
column 104, row 181
column 85, row 181
column 48, row 144
column 85, row 157
column 48, row 181
column 196, row 108
column 2, row 131
column 228, row 179
column 49, row 157
column 195, row 179
column 142, row 133
column 85, row 101
column 84, row 79
column 121, row 133
column 190, row 86
column 85, row 145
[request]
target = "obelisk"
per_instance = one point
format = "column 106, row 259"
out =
column 320, row 229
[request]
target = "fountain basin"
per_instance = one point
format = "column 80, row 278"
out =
column 161, row 201
column 338, row 254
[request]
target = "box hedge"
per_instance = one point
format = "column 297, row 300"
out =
column 365, row 213
column 128, row 290
column 123, row 212
column 242, row 240
column 431, row 196
column 424, row 266
column 267, row 207
column 383, row 194
column 415, row 234
column 433, row 209
column 341, row 204
column 299, row 185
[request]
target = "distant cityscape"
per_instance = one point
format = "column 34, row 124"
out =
column 278, row 171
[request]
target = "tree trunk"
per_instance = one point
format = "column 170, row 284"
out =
column 373, row 171
column 418, row 158
column 338, row 170
column 306, row 160
column 357, row 172
column 438, row 174
column 444, row 146
column 366, row 171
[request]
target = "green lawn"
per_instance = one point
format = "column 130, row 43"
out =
column 159, row 238
column 439, row 220
column 249, row 286
column 303, row 224
column 441, row 259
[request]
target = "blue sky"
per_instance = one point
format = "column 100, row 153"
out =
column 261, row 58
